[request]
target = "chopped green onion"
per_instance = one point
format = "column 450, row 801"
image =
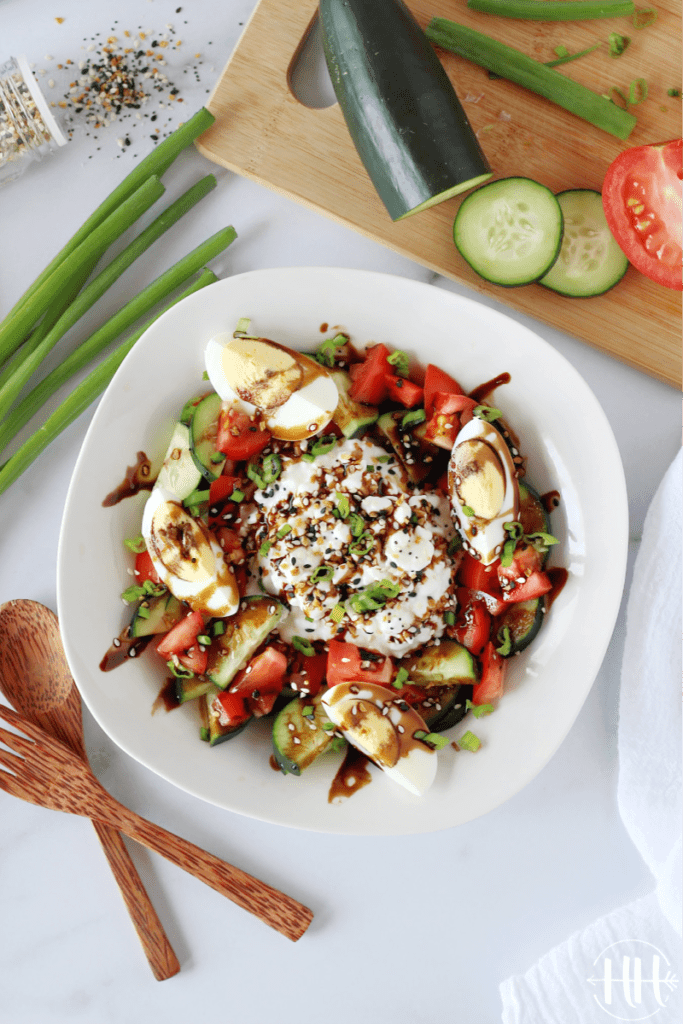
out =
column 374, row 596
column 487, row 412
column 400, row 678
column 204, row 639
column 198, row 497
column 385, row 458
column 324, row 445
column 356, row 524
column 449, row 618
column 637, row 91
column 217, row 457
column 204, row 733
column 479, row 710
column 237, row 495
column 541, row 541
column 327, row 350
column 307, row 457
column 179, row 671
column 362, row 545
column 564, row 56
column 454, row 544
column 136, row 544
column 143, row 611
column 242, row 327
column 283, row 531
column 338, row 743
column 337, row 613
column 308, row 711
column 369, row 469
column 399, row 360
column 146, row 589
column 412, row 418
column 343, row 508
column 553, row 10
column 643, row 17
column 468, row 741
column 303, row 645
column 328, row 726
column 322, row 574
column 467, row 511
column 218, row 627
column 432, row 739
column 253, row 474
column 265, row 548
column 617, row 44
column 272, row 467
column 531, row 74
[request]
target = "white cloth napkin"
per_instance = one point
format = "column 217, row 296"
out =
column 627, row 964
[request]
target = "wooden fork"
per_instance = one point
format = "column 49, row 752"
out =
column 44, row 771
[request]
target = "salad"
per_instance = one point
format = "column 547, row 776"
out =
column 344, row 545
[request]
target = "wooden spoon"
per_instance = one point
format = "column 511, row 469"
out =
column 35, row 679
column 44, row 771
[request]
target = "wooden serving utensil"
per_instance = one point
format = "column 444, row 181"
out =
column 35, row 679
column 45, row 771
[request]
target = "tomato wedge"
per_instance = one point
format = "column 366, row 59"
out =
column 182, row 636
column 473, row 623
column 238, row 436
column 436, row 380
column 369, row 378
column 344, row 665
column 641, row 196
column 490, row 686
column 144, row 569
column 402, row 390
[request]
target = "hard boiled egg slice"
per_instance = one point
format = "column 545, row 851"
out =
column 294, row 394
column 186, row 557
column 382, row 726
column 483, row 489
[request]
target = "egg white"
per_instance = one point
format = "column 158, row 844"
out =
column 305, row 412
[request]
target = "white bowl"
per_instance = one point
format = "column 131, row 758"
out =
column 570, row 448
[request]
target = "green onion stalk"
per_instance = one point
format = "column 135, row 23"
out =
column 83, row 395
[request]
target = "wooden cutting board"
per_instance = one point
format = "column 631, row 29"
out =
column 264, row 133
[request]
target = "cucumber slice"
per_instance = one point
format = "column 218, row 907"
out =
column 298, row 738
column 509, row 231
column 449, row 663
column 203, row 429
column 523, row 619
column 193, row 688
column 179, row 473
column 157, row 615
column 244, row 634
column 408, row 445
column 532, row 512
column 590, row 261
column 218, row 733
column 353, row 418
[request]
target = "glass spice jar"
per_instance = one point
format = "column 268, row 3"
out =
column 28, row 128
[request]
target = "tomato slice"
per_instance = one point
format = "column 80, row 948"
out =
column 369, row 383
column 473, row 623
column 476, row 576
column 182, row 636
column 239, row 437
column 309, row 674
column 195, row 659
column 641, row 196
column 144, row 569
column 536, row 585
column 490, row 686
column 437, row 379
column 402, row 390
column 265, row 673
column 344, row 666
column 231, row 708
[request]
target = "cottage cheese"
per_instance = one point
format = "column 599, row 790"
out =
column 333, row 526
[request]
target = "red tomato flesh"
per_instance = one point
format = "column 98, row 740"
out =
column 144, row 569
column 641, row 196
column 436, row 380
column 473, row 622
column 238, row 436
column 344, row 666
column 369, row 383
column 182, row 636
column 490, row 687
column 404, row 391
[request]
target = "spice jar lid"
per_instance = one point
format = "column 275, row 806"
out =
column 40, row 101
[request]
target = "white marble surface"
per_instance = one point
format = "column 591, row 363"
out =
column 415, row 929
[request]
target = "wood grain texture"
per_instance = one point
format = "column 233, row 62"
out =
column 35, row 678
column 44, row 771
column 264, row 133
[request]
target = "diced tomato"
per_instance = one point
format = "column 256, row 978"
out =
column 447, row 417
column 536, row 585
column 474, row 575
column 232, row 545
column 231, row 708
column 344, row 665
column 369, row 378
column 221, row 509
column 239, row 437
column 195, row 659
column 182, row 636
column 265, row 673
column 473, row 623
column 437, row 379
column 309, row 674
column 402, row 390
column 641, row 196
column 144, row 569
column 490, row 686
column 524, row 561
column 221, row 488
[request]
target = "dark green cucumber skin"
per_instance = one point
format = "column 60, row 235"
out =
column 401, row 110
